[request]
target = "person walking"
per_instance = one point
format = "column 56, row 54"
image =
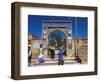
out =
column 61, row 57
column 29, row 54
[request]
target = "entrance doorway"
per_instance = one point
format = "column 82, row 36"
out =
column 56, row 41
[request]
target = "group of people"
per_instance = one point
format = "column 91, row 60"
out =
column 41, row 59
column 60, row 54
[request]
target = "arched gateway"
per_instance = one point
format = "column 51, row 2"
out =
column 49, row 26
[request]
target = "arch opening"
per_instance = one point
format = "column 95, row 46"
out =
column 57, row 39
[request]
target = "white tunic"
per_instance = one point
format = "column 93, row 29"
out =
column 41, row 55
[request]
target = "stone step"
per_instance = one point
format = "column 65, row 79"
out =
column 55, row 63
column 48, row 61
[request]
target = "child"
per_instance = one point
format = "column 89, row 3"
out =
column 41, row 56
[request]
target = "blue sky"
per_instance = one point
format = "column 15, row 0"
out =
column 35, row 25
